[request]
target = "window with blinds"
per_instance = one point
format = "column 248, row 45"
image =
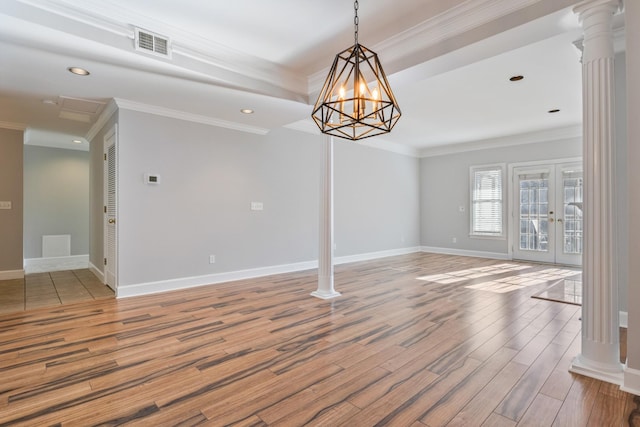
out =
column 487, row 208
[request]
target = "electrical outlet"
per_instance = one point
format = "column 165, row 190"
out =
column 454, row 240
column 212, row 259
column 460, row 208
column 5, row 205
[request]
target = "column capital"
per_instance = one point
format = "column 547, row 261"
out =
column 596, row 18
column 587, row 7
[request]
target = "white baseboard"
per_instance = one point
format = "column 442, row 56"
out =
column 374, row 255
column 43, row 265
column 95, row 270
column 631, row 383
column 464, row 252
column 624, row 319
column 11, row 274
column 212, row 279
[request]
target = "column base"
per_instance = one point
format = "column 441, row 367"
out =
column 609, row 373
column 325, row 295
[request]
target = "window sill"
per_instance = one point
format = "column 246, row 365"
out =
column 487, row 237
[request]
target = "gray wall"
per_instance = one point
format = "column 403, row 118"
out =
column 376, row 199
column 209, row 177
column 444, row 182
column 11, row 172
column 56, row 198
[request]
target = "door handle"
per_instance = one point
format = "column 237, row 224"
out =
column 550, row 219
column 112, row 221
column 559, row 219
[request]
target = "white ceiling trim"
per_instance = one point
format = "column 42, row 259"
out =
column 453, row 22
column 68, row 11
column 309, row 126
column 234, row 68
column 563, row 133
column 181, row 115
column 13, row 126
column 102, row 120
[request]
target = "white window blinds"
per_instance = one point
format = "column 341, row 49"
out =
column 486, row 201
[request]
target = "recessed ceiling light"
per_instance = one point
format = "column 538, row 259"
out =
column 246, row 111
column 516, row 78
column 78, row 71
column 555, row 110
column 77, row 141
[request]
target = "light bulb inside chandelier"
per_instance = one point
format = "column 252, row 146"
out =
column 356, row 100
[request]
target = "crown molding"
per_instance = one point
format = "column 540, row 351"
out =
column 381, row 143
column 103, row 118
column 65, row 10
column 223, row 65
column 557, row 134
column 451, row 23
column 189, row 117
column 13, row 126
column 455, row 21
column 304, row 125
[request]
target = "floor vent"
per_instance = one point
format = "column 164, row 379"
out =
column 153, row 43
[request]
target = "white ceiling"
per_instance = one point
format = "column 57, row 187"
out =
column 448, row 63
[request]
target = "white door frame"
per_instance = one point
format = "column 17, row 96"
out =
column 109, row 220
column 512, row 220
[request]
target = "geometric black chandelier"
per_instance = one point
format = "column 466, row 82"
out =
column 356, row 100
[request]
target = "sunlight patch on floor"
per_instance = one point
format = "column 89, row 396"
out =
column 504, row 284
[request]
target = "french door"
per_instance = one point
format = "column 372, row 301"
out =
column 547, row 213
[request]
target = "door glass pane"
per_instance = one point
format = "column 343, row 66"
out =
column 572, row 186
column 534, row 222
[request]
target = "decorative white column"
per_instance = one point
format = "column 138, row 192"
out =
column 600, row 354
column 325, row 254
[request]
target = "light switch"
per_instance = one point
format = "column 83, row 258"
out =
column 5, row 205
column 257, row 206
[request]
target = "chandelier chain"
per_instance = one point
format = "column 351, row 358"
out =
column 356, row 20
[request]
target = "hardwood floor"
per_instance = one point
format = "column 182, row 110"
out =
column 417, row 340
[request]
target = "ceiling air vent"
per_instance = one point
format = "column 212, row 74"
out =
column 155, row 44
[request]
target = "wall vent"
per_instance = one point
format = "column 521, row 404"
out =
column 155, row 44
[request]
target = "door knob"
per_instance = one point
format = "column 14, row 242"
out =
column 112, row 221
column 559, row 219
column 550, row 219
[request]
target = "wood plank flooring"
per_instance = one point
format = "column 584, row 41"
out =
column 417, row 340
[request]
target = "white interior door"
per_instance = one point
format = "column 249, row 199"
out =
column 548, row 213
column 110, row 209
